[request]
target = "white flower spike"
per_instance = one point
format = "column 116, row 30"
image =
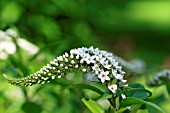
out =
column 100, row 64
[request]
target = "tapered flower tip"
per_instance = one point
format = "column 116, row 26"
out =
column 13, row 81
column 5, row 76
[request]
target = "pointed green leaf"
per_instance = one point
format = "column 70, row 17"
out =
column 168, row 88
column 93, row 106
column 106, row 96
column 122, row 110
column 85, row 86
column 136, row 90
column 135, row 108
column 142, row 94
column 132, row 101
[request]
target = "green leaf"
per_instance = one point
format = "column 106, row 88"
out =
column 30, row 107
column 81, row 86
column 11, row 12
column 85, row 86
column 135, row 108
column 122, row 110
column 93, row 106
column 132, row 101
column 106, row 96
column 135, row 90
column 168, row 88
column 139, row 91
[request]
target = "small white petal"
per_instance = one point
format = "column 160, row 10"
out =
column 61, row 65
column 66, row 54
column 72, row 62
column 81, row 61
column 77, row 57
column 53, row 77
column 76, row 66
column 66, row 67
column 72, row 56
column 58, row 71
column 84, row 70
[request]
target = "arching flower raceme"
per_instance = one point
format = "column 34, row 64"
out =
column 101, row 63
column 160, row 78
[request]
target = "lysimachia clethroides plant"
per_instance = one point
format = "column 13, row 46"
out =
column 105, row 66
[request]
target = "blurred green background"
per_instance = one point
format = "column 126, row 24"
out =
column 129, row 28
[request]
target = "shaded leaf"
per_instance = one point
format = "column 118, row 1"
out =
column 142, row 94
column 30, row 107
column 168, row 88
column 85, row 86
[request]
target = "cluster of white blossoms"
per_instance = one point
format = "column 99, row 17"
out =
column 162, row 77
column 99, row 62
column 8, row 46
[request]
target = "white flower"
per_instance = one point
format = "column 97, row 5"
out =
column 76, row 66
column 96, row 51
column 66, row 60
column 30, row 48
column 58, row 71
column 8, row 46
column 89, row 59
column 116, row 75
column 53, row 77
column 81, row 61
column 66, row 54
column 100, row 58
column 77, row 57
column 122, row 83
column 123, row 96
column 106, row 64
column 66, row 67
column 96, row 68
column 84, row 70
column 61, row 65
column 91, row 49
column 3, row 55
column 73, row 51
column 115, row 64
column 103, row 76
column 72, row 62
column 11, row 32
column 113, row 88
column 71, row 56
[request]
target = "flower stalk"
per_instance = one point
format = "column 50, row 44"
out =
column 101, row 63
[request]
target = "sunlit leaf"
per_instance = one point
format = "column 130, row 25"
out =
column 106, row 96
column 93, row 106
column 11, row 12
column 133, row 101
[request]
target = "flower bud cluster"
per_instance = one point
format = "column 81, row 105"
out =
column 99, row 62
column 162, row 77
